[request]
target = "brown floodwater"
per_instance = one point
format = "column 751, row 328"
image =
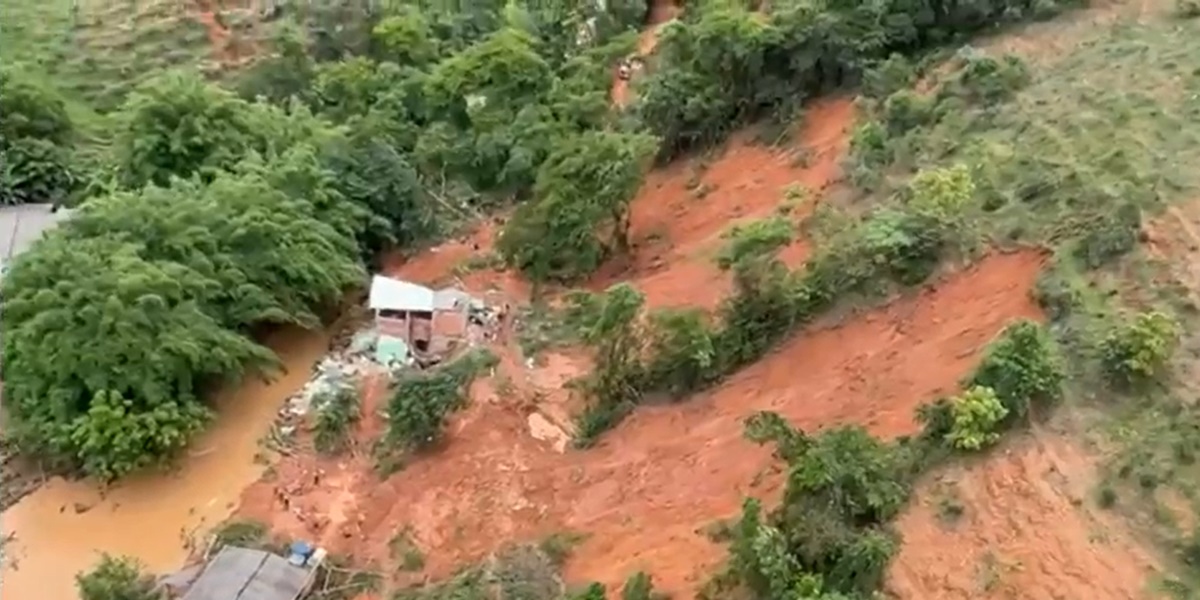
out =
column 62, row 528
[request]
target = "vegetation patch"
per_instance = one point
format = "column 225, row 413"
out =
column 422, row 403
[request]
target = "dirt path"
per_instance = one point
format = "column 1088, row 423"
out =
column 661, row 11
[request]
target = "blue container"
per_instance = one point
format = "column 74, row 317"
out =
column 300, row 551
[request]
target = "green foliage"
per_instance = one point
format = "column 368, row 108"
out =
column 683, row 355
column 977, row 414
column 33, row 170
column 640, row 586
column 725, row 63
column 178, row 125
column 31, row 110
column 35, row 133
column 422, row 403
column 584, row 187
column 337, row 411
column 753, row 240
column 986, row 80
column 1139, row 350
column 116, row 578
column 615, row 383
column 826, row 538
column 942, row 196
column 1024, row 369
column 888, row 76
column 594, row 591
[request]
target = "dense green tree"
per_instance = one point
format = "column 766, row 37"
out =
column 580, row 213
column 88, row 318
column 114, row 323
column 179, row 125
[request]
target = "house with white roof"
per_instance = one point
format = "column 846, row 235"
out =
column 427, row 320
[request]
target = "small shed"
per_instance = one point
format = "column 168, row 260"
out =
column 417, row 314
column 245, row 574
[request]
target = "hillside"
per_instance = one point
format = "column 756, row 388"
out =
column 927, row 333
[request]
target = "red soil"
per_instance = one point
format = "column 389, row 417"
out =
column 643, row 493
column 1026, row 532
column 676, row 230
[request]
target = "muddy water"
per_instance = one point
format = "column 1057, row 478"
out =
column 62, row 528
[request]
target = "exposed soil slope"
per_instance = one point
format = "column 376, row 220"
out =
column 682, row 210
column 1027, row 531
column 641, row 496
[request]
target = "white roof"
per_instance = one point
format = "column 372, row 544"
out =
column 393, row 294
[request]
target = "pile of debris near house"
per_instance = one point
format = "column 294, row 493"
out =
column 412, row 327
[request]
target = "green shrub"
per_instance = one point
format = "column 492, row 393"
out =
column 35, row 137
column 34, row 170
column 610, row 324
column 1110, row 236
column 755, row 239
column 421, row 403
column 888, row 77
column 977, row 415
column 683, row 355
column 1023, row 367
column 986, row 80
column 116, row 321
column 336, row 413
column 640, row 586
column 1140, row 350
column 117, row 579
column 906, row 110
column 825, row 538
column 594, row 591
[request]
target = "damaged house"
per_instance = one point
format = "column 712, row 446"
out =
column 429, row 322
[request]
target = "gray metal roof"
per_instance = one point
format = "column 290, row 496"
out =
column 23, row 224
column 245, row 574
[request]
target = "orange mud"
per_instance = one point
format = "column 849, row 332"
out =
column 678, row 217
column 1027, row 531
column 641, row 495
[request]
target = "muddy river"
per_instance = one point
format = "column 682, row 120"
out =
column 63, row 527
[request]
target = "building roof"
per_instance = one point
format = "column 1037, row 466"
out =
column 393, row 294
column 23, row 224
column 245, row 574
column 451, row 299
